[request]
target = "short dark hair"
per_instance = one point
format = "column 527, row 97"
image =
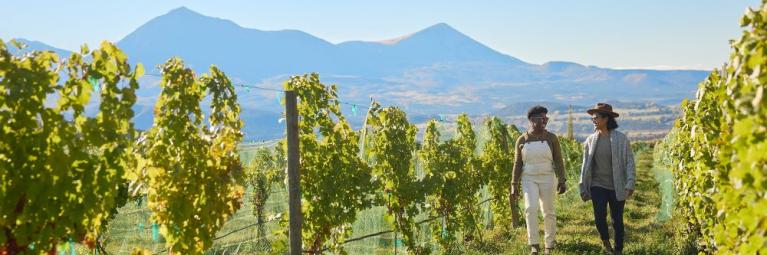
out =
column 611, row 123
column 538, row 109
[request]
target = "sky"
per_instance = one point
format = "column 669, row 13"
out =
column 651, row 34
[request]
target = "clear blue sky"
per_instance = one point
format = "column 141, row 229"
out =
column 619, row 34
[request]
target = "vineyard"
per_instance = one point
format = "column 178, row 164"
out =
column 76, row 177
column 719, row 146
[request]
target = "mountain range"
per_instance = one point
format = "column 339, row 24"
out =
column 437, row 70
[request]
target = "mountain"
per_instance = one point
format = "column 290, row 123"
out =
column 249, row 54
column 36, row 46
column 253, row 54
column 437, row 70
column 439, row 43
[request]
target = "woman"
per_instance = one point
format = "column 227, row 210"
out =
column 538, row 166
column 607, row 173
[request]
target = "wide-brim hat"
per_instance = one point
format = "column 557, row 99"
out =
column 603, row 108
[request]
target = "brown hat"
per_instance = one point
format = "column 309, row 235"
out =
column 603, row 108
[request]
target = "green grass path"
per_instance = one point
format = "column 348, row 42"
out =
column 576, row 231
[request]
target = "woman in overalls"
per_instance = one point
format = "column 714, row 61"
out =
column 538, row 171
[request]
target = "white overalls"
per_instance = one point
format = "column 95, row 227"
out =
column 538, row 186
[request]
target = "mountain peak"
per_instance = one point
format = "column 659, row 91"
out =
column 443, row 34
column 440, row 29
column 187, row 17
column 183, row 11
column 442, row 26
column 178, row 22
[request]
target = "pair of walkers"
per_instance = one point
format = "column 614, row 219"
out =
column 607, row 176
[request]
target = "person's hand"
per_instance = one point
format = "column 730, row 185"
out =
column 561, row 188
column 629, row 192
column 584, row 196
column 514, row 192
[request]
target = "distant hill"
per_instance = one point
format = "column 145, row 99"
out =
column 35, row 45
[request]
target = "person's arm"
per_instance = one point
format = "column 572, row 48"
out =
column 517, row 172
column 581, row 183
column 630, row 167
column 559, row 164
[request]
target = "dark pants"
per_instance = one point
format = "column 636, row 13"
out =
column 600, row 199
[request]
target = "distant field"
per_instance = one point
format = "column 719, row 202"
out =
column 639, row 123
